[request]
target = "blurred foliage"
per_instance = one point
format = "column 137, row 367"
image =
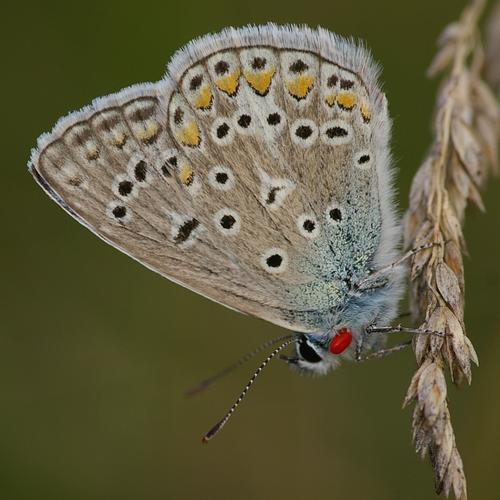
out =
column 96, row 351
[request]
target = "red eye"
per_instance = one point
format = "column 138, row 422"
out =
column 341, row 341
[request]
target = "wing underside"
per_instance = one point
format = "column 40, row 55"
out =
column 255, row 173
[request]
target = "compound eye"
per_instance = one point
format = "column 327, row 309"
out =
column 308, row 352
column 341, row 341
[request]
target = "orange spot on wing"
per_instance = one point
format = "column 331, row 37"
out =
column 119, row 138
column 365, row 112
column 300, row 86
column 347, row 100
column 330, row 99
column 229, row 83
column 190, row 134
column 260, row 81
column 204, row 98
column 186, row 174
column 147, row 132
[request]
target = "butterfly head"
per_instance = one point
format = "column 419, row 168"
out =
column 317, row 354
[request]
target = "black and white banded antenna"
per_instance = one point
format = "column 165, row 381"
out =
column 221, row 423
column 204, row 384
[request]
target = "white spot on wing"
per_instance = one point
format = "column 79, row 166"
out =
column 221, row 178
column 115, row 209
column 334, row 213
column 336, row 132
column 227, row 221
column 121, row 181
column 363, row 159
column 222, row 131
column 274, row 190
column 177, row 221
column 308, row 226
column 304, row 132
column 274, row 260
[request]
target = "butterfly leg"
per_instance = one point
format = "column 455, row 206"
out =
column 385, row 330
column 382, row 353
column 373, row 280
column 400, row 329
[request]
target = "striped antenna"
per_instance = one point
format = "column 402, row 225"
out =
column 210, row 380
column 221, row 423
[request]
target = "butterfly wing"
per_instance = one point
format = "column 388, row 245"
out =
column 255, row 173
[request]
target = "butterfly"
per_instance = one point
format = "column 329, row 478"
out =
column 256, row 173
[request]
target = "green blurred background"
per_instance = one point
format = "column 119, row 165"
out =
column 96, row 351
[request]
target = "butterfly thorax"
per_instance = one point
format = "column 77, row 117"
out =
column 344, row 326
